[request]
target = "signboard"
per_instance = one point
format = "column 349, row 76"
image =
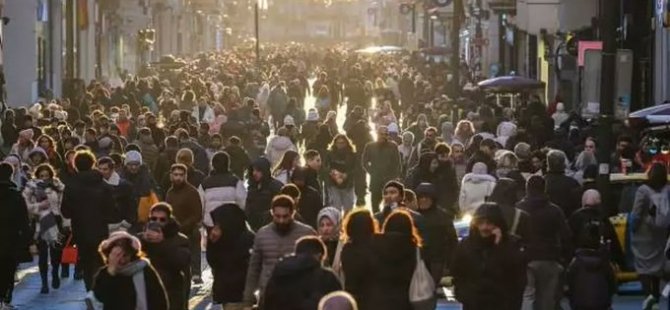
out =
column 587, row 45
column 591, row 84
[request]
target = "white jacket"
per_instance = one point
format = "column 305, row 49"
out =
column 475, row 188
column 277, row 147
column 220, row 189
column 208, row 117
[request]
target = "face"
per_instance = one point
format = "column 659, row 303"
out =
column 537, row 163
column 430, row 136
column 257, row 175
column 158, row 217
column 315, row 163
column 282, row 217
column 178, row 177
column 425, row 202
column 326, row 227
column 382, row 135
column 216, row 143
column 457, row 152
column 443, row 157
column 485, row 228
column 124, row 259
column 44, row 143
column 341, row 144
column 90, row 137
column 133, row 168
column 433, row 165
column 590, row 146
column 44, row 175
column 622, row 145
column 391, row 195
column 106, row 170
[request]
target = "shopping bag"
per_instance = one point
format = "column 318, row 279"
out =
column 422, row 287
column 70, row 253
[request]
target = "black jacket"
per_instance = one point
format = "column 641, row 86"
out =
column 298, row 282
column 118, row 292
column 591, row 281
column 488, row 276
column 342, row 161
column 239, row 160
column 439, row 237
column 358, row 259
column 260, row 194
column 549, row 233
column 585, row 219
column 125, row 203
column 392, row 271
column 480, row 156
column 86, row 201
column 171, row 258
column 309, row 205
column 563, row 191
column 15, row 232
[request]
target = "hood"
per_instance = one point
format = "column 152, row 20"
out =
column 261, row 164
column 40, row 150
column 504, row 193
column 230, row 218
column 478, row 178
column 447, row 131
column 295, row 265
column 281, row 143
column 506, row 129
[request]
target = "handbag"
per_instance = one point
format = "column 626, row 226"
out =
column 70, row 253
column 422, row 286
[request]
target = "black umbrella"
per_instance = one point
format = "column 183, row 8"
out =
column 509, row 84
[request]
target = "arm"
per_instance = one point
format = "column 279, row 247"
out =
column 241, row 194
column 365, row 162
column 201, row 193
column 254, row 271
column 640, row 208
column 396, row 164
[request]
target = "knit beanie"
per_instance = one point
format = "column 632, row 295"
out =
column 133, row 157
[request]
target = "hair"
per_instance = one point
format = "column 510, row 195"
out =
column 286, row 161
column 283, row 201
column 107, row 161
column 125, row 244
column 409, row 195
column 291, row 190
column 221, row 162
column 161, row 207
column 556, row 161
column 442, row 148
column 311, row 245
column 133, row 147
column 398, row 185
column 657, row 176
column 359, row 224
column 44, row 167
column 401, row 221
column 536, row 185
column 311, row 154
column 84, row 160
column 332, row 147
column 178, row 166
column 184, row 156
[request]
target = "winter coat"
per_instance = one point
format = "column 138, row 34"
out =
column 34, row 194
column 186, row 207
column 260, row 194
column 488, row 276
column 344, row 162
column 269, row 247
column 277, row 102
column 86, row 202
column 150, row 154
column 563, row 191
column 479, row 156
column 298, row 282
column 239, row 160
column 475, row 188
column 358, row 259
column 309, row 205
column 381, row 161
column 549, row 233
column 647, row 240
column 207, row 117
column 392, row 271
column 171, row 258
column 579, row 223
column 200, row 159
column 125, row 201
column 118, row 291
column 439, row 237
column 591, row 281
column 219, row 189
column 276, row 148
column 229, row 258
column 15, row 232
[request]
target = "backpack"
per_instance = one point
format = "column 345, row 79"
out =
column 660, row 208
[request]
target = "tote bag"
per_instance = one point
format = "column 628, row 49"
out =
column 70, row 254
column 422, row 287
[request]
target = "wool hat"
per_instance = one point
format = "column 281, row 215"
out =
column 393, row 128
column 133, row 157
column 332, row 213
column 312, row 115
column 288, row 120
column 479, row 168
column 105, row 142
column 425, row 189
column 115, row 236
column 27, row 134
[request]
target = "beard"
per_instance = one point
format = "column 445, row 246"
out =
column 284, row 228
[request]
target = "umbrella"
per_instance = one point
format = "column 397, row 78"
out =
column 658, row 114
column 505, row 84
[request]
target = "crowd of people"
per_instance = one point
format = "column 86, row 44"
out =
column 221, row 148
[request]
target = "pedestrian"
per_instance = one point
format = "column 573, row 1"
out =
column 169, row 253
column 310, row 203
column 128, row 281
column 648, row 239
column 143, row 184
column 15, row 233
column 516, row 220
column 43, row 195
column 394, row 263
column 261, row 190
column 279, row 145
column 485, row 260
column 299, row 281
column 476, row 187
column 221, row 187
column 358, row 257
column 340, row 163
column 239, row 157
column 547, row 248
column 562, row 190
column 328, row 228
column 381, row 160
column 283, row 171
column 86, row 202
column 272, row 242
column 185, row 157
column 229, row 246
column 124, row 215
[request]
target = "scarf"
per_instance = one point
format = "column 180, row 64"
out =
column 136, row 271
column 114, row 179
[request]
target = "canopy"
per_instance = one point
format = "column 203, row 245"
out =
column 509, row 84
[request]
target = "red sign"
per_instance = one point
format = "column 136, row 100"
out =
column 587, row 45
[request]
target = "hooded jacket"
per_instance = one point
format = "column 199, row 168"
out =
column 298, row 282
column 219, row 189
column 549, row 232
column 118, row 291
column 475, row 188
column 86, row 202
column 260, row 193
column 276, row 148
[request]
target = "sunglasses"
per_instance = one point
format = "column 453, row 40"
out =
column 158, row 219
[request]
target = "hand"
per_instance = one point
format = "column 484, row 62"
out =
column 215, row 234
column 154, row 236
column 497, row 233
column 114, row 260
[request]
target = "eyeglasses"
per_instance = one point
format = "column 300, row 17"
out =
column 158, row 219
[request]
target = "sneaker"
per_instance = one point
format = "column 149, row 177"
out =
column 197, row 280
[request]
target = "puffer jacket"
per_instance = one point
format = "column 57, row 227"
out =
column 474, row 190
column 219, row 189
column 277, row 147
column 269, row 247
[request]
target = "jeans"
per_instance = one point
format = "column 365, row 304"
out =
column 48, row 254
column 543, row 289
column 341, row 198
column 196, row 250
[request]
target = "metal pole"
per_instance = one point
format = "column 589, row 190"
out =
column 455, row 59
column 609, row 18
column 414, row 18
column 258, row 43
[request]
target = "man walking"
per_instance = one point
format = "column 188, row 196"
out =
column 381, row 160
